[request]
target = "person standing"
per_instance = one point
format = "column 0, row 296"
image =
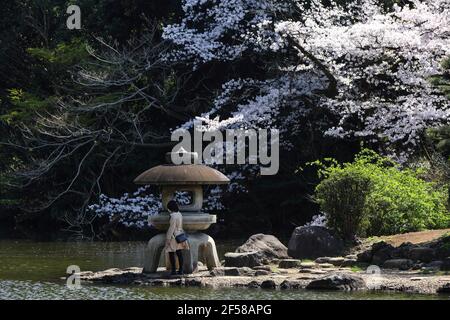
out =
column 176, row 240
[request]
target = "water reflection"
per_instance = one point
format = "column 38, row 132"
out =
column 47, row 261
column 53, row 291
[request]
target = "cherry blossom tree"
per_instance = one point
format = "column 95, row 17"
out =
column 133, row 210
column 355, row 71
column 368, row 65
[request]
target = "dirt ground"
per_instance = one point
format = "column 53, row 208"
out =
column 413, row 237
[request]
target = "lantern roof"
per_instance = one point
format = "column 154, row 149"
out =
column 182, row 174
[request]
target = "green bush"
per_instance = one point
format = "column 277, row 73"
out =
column 343, row 197
column 373, row 196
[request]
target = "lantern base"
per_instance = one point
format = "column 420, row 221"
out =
column 202, row 248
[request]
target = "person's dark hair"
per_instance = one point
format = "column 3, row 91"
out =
column 172, row 206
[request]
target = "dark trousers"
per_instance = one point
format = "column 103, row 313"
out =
column 173, row 262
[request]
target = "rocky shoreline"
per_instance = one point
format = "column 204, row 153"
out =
column 282, row 279
column 264, row 262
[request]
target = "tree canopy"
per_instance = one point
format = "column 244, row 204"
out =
column 83, row 112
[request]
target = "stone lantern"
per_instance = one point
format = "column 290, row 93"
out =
column 187, row 178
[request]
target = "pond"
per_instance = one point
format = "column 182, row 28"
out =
column 35, row 270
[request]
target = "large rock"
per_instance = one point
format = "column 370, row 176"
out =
column 382, row 251
column 404, row 250
column 268, row 284
column 445, row 264
column 442, row 247
column 269, row 247
column 402, row 264
column 338, row 281
column 312, row 242
column 364, row 256
column 244, row 259
column 422, row 254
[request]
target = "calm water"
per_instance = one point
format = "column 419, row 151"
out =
column 30, row 270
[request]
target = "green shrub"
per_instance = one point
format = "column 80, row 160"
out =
column 373, row 196
column 343, row 196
